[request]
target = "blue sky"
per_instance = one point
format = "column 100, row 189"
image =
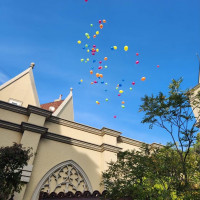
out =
column 165, row 33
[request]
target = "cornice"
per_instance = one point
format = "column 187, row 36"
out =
column 107, row 147
column 33, row 128
column 122, row 139
column 13, row 108
column 111, row 132
column 71, row 141
column 10, row 126
column 74, row 125
column 39, row 111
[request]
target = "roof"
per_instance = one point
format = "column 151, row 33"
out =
column 54, row 104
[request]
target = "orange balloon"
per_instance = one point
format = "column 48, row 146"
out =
column 94, row 36
column 92, row 82
column 105, row 58
column 97, row 75
column 143, row 78
column 101, row 75
column 91, row 72
column 104, row 21
column 123, row 102
column 101, row 26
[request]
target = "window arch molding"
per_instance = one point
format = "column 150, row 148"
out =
column 36, row 193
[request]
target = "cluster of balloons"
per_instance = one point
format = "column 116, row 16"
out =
column 96, row 72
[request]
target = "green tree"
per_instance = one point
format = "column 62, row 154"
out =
column 12, row 160
column 173, row 113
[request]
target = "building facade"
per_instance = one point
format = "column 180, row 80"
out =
column 68, row 156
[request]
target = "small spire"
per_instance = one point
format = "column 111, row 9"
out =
column 199, row 67
column 32, row 65
column 71, row 89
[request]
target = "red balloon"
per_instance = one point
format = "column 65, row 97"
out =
column 119, row 95
column 95, row 81
column 137, row 62
column 100, row 62
column 86, row 0
column 93, row 53
column 137, row 54
column 133, row 83
column 99, row 21
column 158, row 66
column 94, row 46
column 115, row 116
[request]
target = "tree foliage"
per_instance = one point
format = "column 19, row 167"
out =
column 12, row 160
column 171, row 172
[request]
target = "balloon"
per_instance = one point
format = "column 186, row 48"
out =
column 106, row 83
column 106, row 66
column 143, row 78
column 94, row 46
column 91, row 72
column 102, row 82
column 93, row 53
column 86, row 0
column 79, row 42
column 97, row 75
column 119, row 95
column 91, row 25
column 130, row 88
column 86, row 45
column 137, row 62
column 111, row 48
column 97, row 50
column 100, row 67
column 100, row 62
column 92, row 82
column 137, row 54
column 88, row 59
column 97, row 102
column 117, row 88
column 106, row 99
column 123, row 102
column 133, row 83
column 93, row 50
column 82, row 59
column 115, row 116
column 94, row 36
column 158, row 66
column 115, row 47
column 104, row 21
column 120, row 85
column 125, row 48
column 121, row 91
column 99, row 21
column 97, row 32
column 123, row 106
column 81, row 80
column 86, row 34
column 95, row 82
column 88, row 50
column 88, row 37
column 105, row 58
column 101, row 75
column 101, row 26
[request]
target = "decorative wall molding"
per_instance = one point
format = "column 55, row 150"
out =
column 10, row 126
column 122, row 139
column 39, row 111
column 71, row 141
column 13, row 108
column 67, row 176
column 33, row 128
column 74, row 125
column 107, row 131
column 26, row 173
column 107, row 147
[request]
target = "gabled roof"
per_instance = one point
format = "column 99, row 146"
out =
column 54, row 104
column 21, row 88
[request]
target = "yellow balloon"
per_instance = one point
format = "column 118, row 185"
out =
column 79, row 42
column 97, row 32
column 88, row 50
column 88, row 59
column 121, row 91
column 125, row 48
column 115, row 47
column 97, row 50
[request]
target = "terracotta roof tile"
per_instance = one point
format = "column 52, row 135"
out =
column 54, row 104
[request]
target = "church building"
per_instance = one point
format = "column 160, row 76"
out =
column 67, row 156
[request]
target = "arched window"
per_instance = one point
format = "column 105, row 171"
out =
column 64, row 177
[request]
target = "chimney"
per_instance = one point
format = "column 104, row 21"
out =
column 59, row 99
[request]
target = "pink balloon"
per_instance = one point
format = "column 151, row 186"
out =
column 93, row 53
column 119, row 95
column 95, row 81
column 133, row 83
column 137, row 62
column 86, row 0
column 100, row 67
column 137, row 54
column 94, row 46
column 158, row 65
column 115, row 116
column 100, row 62
column 99, row 21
